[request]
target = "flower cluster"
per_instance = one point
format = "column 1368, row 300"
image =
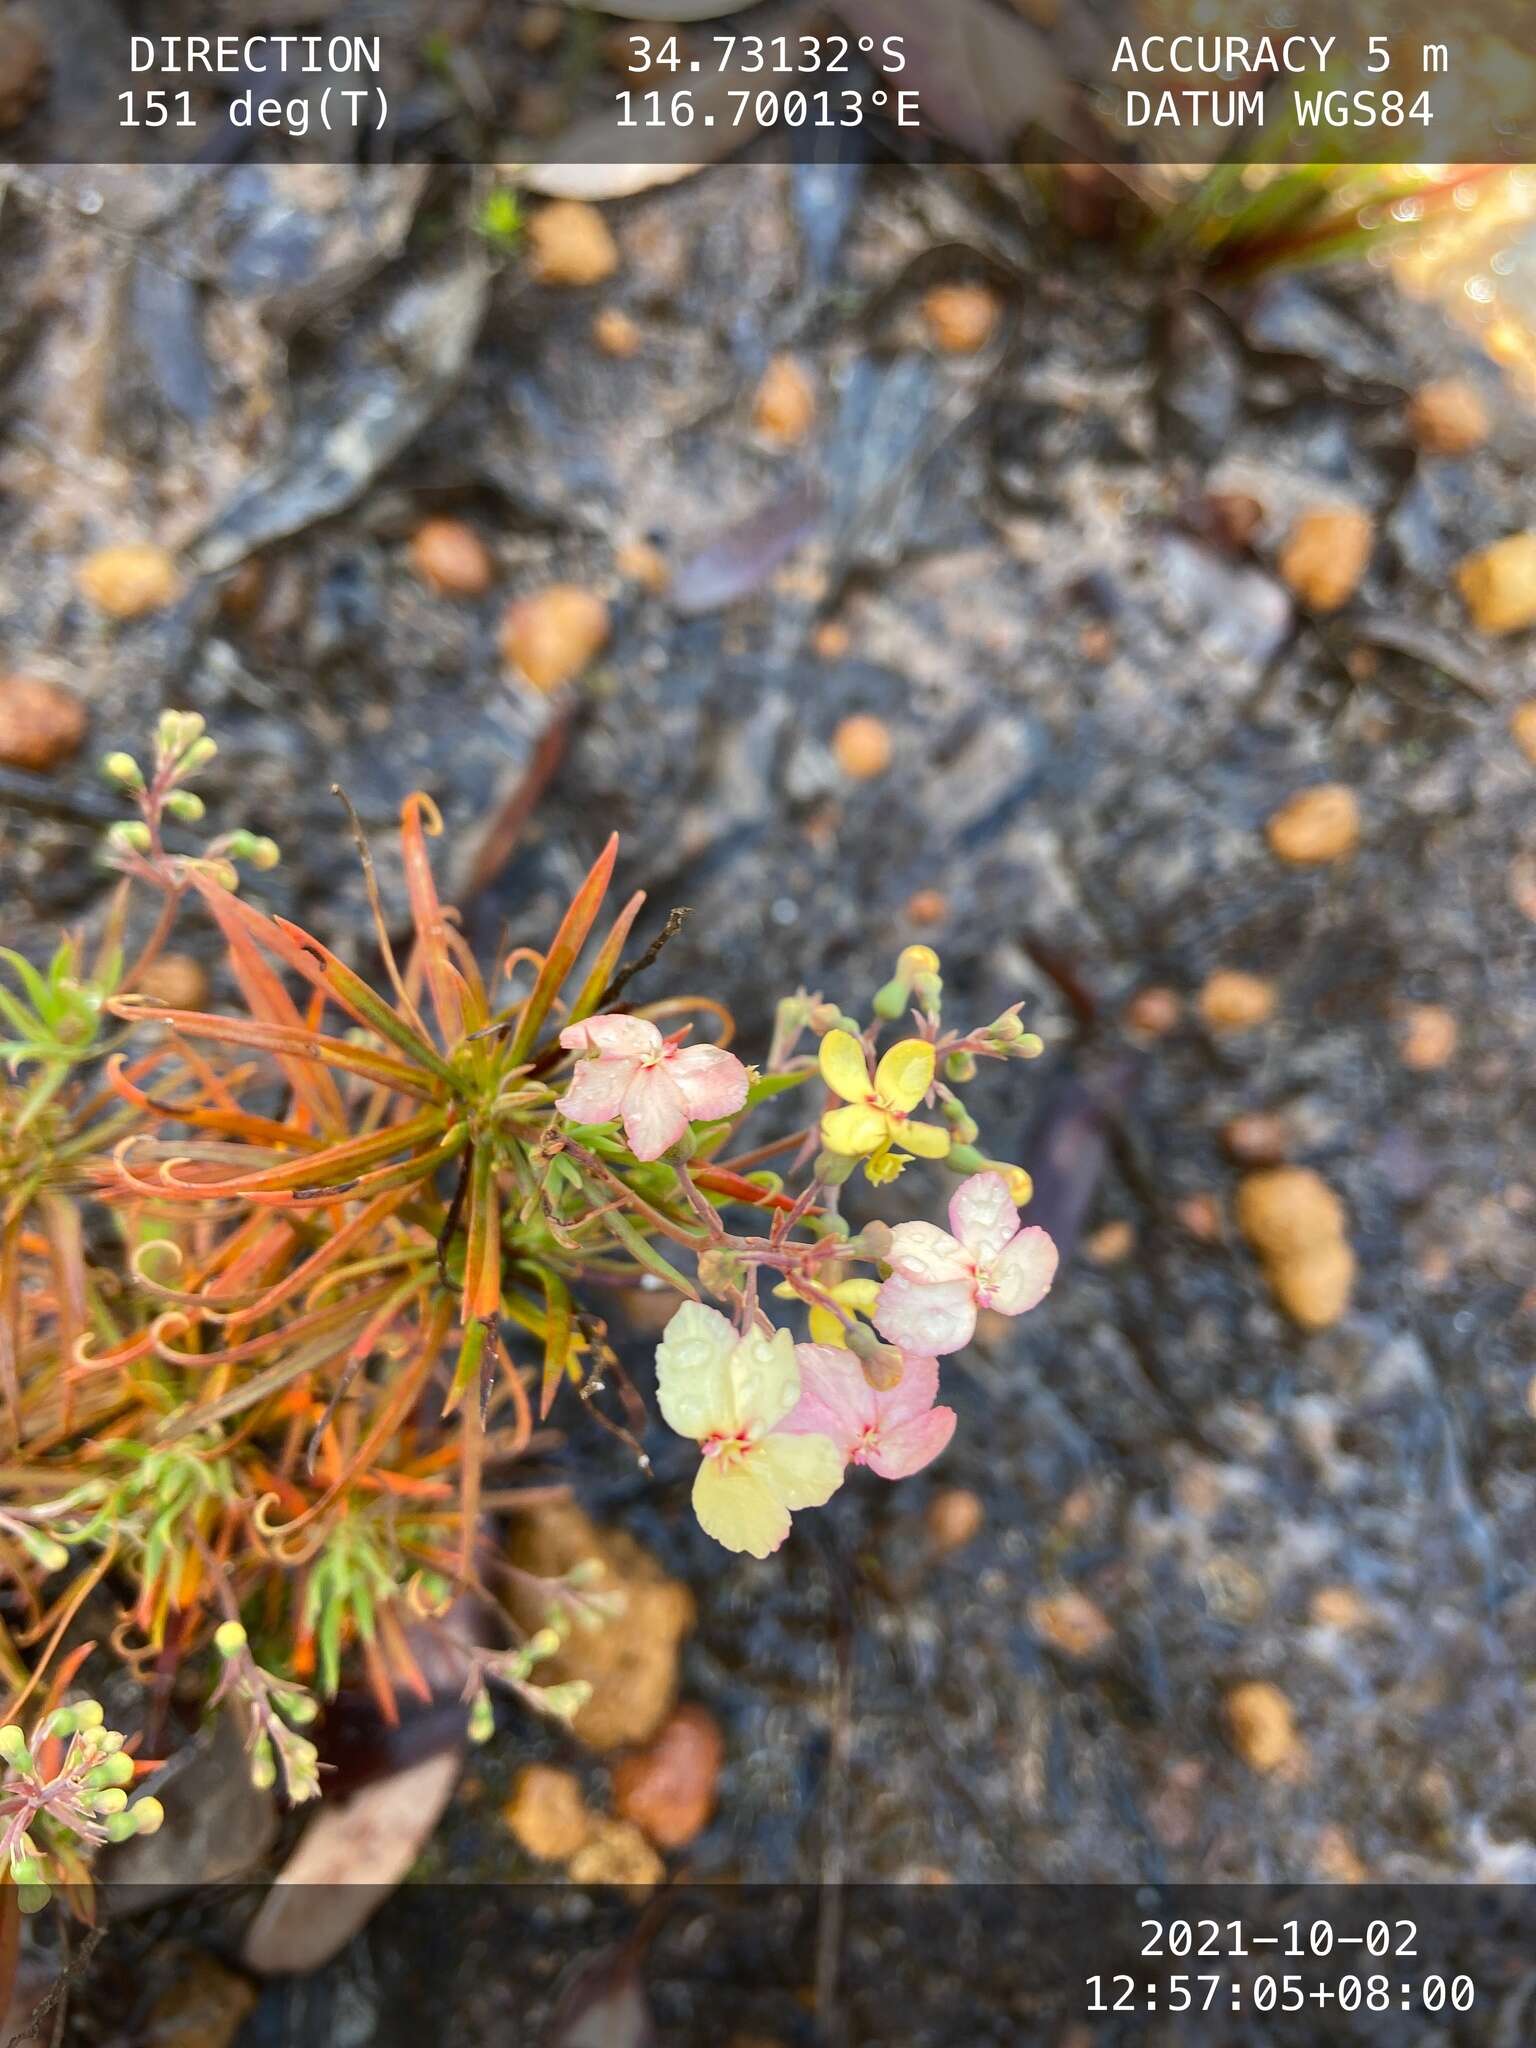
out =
column 778, row 1423
column 62, row 1795
column 367, row 1237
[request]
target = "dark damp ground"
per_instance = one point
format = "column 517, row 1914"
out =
column 1094, row 710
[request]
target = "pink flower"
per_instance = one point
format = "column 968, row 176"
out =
column 657, row 1085
column 939, row 1281
column 895, row 1434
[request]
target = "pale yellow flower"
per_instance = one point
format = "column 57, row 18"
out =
column 731, row 1394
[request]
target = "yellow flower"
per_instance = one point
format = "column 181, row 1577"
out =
column 857, row 1296
column 878, row 1116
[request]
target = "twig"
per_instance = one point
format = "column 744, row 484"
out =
column 676, row 919
column 53, row 1999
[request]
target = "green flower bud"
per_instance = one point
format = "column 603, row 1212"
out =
column 965, row 1159
column 123, row 769
column 27, row 1870
column 260, row 853
column 112, row 1800
column 187, row 805
column 147, row 1815
column 482, row 1717
column 833, row 1168
column 230, row 1638
column 121, row 1827
column 543, row 1644
column 960, row 1067
column 13, row 1748
column 891, row 1000
column 263, row 1766
column 720, row 1271
column 115, row 1769
column 51, row 1555
column 197, row 756
column 129, row 835
column 825, row 1017
column 873, row 1242
column 960, row 1121
column 62, row 1721
column 32, row 1898
column 89, row 1713
column 565, row 1701
column 299, row 1708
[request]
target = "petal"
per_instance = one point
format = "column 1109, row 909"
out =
column 928, row 1141
column 836, row 1400
column 739, row 1507
column 924, row 1252
column 855, row 1130
column 844, row 1067
column 931, row 1320
column 913, row 1395
column 858, row 1294
column 693, row 1385
column 898, row 1453
column 905, row 1074
column 824, row 1328
column 804, row 1471
column 654, row 1114
column 982, row 1215
column 765, row 1379
column 713, row 1081
column 1022, row 1273
column 597, row 1089
column 632, row 1038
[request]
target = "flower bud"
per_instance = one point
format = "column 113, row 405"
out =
column 543, row 1643
column 114, row 1769
column 129, row 835
column 833, row 1168
column 790, row 1017
column 720, row 1271
column 230, row 1638
column 965, row 1159
column 959, row 1119
column 960, row 1067
column 186, row 805
column 883, row 1368
column 62, row 1721
column 872, row 1242
column 90, row 1713
column 13, row 1748
column 299, row 1708
column 121, row 1827
column 45, row 1550
column 111, row 1799
column 482, row 1717
column 147, row 1815
column 123, row 769
column 26, row 1870
column 1020, row 1187
column 32, row 1898
column 197, row 756
column 261, row 853
column 827, row 1017
column 891, row 999
column 565, row 1701
column 263, row 1766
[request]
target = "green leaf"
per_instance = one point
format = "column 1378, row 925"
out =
column 557, row 1337
column 766, row 1086
column 645, row 1253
